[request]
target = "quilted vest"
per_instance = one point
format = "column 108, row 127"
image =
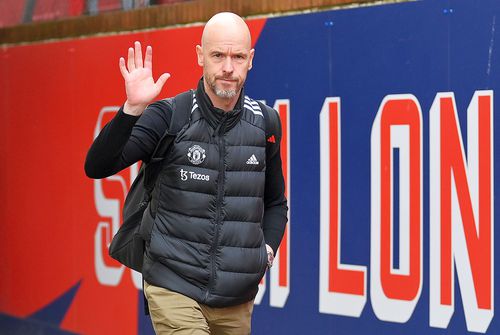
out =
column 206, row 238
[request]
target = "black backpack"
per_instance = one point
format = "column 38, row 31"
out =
column 127, row 245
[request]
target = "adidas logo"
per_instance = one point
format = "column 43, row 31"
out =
column 271, row 139
column 253, row 160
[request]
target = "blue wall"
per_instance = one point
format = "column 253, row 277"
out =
column 361, row 55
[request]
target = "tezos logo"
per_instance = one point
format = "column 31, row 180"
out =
column 196, row 176
column 196, row 154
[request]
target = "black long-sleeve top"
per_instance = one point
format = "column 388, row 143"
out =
column 127, row 139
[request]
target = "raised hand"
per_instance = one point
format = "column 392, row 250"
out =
column 140, row 86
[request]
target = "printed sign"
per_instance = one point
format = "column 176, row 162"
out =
column 388, row 150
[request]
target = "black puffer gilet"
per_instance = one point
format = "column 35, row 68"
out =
column 206, row 239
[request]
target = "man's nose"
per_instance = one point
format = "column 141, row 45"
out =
column 228, row 65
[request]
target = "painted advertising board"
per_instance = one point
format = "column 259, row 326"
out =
column 389, row 157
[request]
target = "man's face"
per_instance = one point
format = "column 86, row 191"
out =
column 226, row 58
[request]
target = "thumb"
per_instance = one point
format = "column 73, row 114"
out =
column 162, row 80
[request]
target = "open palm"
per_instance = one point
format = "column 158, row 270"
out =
column 141, row 89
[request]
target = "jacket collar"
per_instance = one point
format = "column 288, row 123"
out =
column 214, row 115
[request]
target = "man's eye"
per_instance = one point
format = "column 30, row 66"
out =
column 217, row 55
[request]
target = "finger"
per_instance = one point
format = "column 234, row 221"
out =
column 148, row 60
column 130, row 60
column 162, row 80
column 123, row 68
column 138, row 54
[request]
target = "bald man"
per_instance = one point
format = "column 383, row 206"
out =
column 219, row 208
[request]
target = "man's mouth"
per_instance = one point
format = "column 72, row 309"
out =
column 229, row 80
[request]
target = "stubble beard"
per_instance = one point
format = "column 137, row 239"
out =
column 224, row 94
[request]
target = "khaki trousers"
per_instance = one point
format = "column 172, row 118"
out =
column 174, row 313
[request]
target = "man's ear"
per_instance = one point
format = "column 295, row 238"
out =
column 199, row 53
column 252, row 52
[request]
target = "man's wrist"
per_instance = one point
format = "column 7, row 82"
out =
column 270, row 256
column 135, row 110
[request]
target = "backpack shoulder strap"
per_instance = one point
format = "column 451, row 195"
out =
column 273, row 127
column 181, row 111
column 271, row 118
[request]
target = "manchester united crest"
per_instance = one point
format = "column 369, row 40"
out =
column 196, row 154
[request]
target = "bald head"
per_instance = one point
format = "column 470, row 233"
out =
column 227, row 26
column 226, row 55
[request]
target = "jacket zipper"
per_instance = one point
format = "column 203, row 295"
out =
column 220, row 196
